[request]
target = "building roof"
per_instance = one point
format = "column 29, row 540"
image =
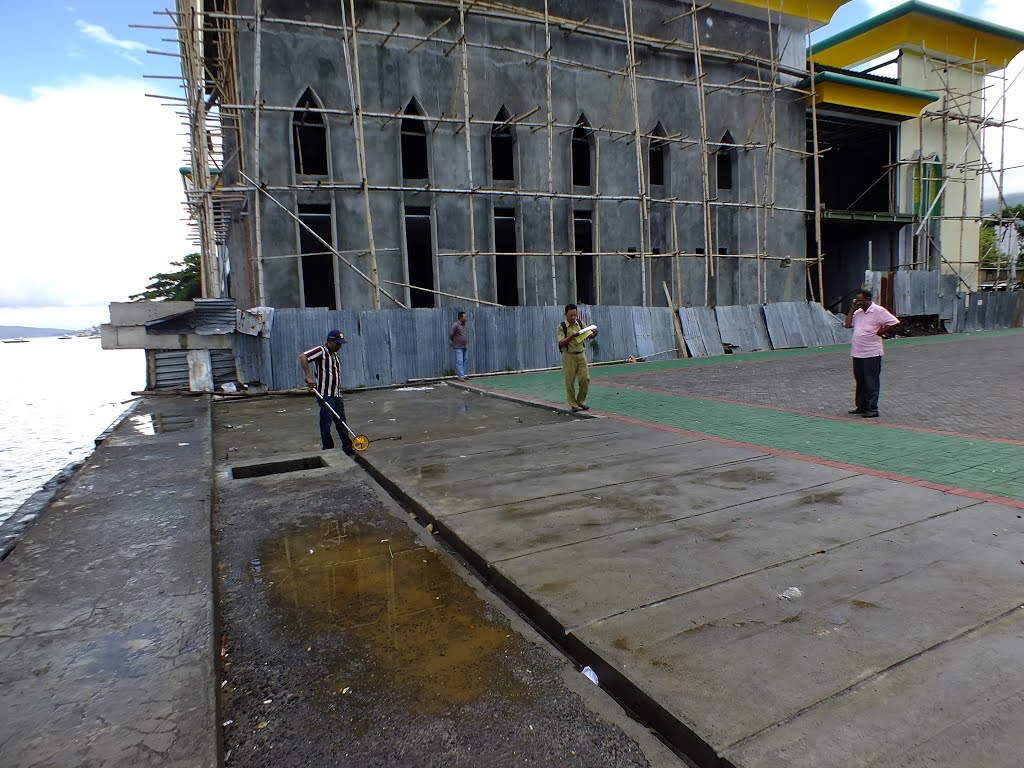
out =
column 871, row 95
column 807, row 13
column 918, row 26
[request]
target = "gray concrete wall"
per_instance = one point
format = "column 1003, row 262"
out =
column 294, row 58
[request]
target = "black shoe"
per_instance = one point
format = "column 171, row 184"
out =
column 584, row 407
column 855, row 411
column 869, row 415
column 350, row 452
column 575, row 409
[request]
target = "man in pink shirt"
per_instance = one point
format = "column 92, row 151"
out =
column 870, row 322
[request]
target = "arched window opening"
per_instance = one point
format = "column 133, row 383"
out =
column 582, row 137
column 414, row 143
column 309, row 137
column 502, row 148
column 725, row 157
column 657, row 157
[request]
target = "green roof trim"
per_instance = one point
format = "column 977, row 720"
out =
column 872, row 85
column 186, row 170
column 910, row 7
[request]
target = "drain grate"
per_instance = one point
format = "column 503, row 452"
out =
column 277, row 467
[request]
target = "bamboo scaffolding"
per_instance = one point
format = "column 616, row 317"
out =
column 445, row 38
column 497, row 192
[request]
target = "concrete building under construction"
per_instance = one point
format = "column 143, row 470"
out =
column 429, row 153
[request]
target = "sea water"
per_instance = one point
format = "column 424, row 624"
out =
column 56, row 396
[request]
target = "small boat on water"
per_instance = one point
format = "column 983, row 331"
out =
column 15, row 341
column 64, row 336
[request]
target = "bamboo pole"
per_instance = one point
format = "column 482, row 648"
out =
column 704, row 158
column 676, row 256
column 627, row 13
column 469, row 148
column 596, row 233
column 361, row 145
column 258, row 152
column 817, row 171
column 551, row 161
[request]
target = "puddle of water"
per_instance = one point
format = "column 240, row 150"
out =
column 152, row 423
column 824, row 497
column 424, row 628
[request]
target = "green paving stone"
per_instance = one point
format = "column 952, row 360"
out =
column 967, row 462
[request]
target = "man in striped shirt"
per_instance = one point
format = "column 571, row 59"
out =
column 327, row 383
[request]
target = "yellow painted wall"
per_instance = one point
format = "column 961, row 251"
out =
column 959, row 240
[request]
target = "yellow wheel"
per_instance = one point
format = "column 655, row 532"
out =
column 360, row 442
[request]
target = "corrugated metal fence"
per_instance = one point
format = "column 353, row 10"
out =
column 911, row 293
column 396, row 346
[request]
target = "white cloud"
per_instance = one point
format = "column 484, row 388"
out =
column 1005, row 13
column 877, row 6
column 92, row 203
column 100, row 35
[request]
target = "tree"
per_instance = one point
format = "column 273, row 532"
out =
column 183, row 285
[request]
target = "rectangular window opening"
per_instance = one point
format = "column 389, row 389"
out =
column 419, row 253
column 724, row 162
column 310, row 149
column 583, row 244
column 414, row 150
column 318, row 283
column 580, row 162
column 503, row 156
column 506, row 263
column 656, row 163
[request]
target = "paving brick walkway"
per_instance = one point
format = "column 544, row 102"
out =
column 952, row 407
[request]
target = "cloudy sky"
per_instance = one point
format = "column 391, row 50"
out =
column 91, row 199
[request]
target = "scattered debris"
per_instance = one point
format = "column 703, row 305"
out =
column 414, row 389
column 590, row 674
column 791, row 593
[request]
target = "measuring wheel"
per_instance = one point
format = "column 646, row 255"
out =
column 360, row 442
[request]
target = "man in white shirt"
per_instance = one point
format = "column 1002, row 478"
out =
column 870, row 323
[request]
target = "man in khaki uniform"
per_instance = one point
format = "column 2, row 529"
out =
column 574, row 359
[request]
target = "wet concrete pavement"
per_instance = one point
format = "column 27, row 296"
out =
column 666, row 561
column 106, row 607
column 352, row 638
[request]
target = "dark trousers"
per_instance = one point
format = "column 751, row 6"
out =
column 867, row 373
column 326, row 417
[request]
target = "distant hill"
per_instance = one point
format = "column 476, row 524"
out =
column 990, row 205
column 26, row 332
